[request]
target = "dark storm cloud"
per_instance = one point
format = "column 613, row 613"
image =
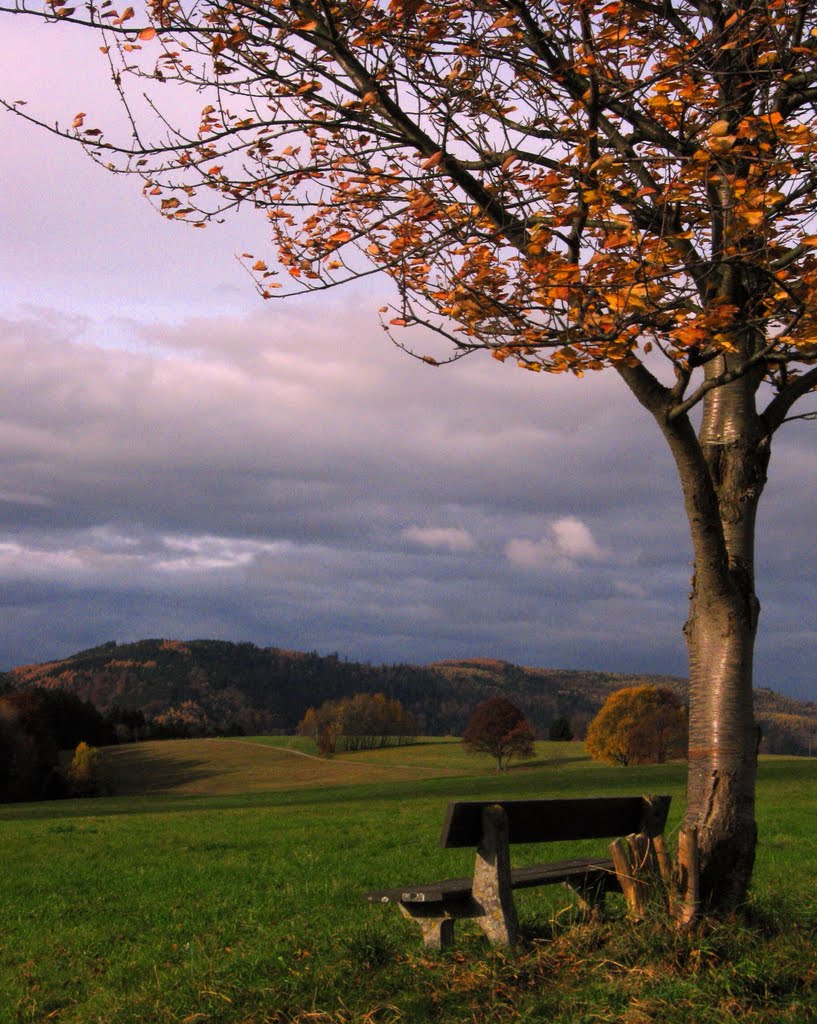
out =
column 303, row 484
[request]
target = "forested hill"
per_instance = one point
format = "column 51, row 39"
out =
column 217, row 686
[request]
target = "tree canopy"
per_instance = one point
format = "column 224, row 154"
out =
column 565, row 182
column 568, row 184
column 362, row 721
column 498, row 728
column 638, row 725
column 560, row 729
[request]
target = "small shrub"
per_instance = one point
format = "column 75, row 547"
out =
column 85, row 773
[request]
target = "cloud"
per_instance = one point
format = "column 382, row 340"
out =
column 449, row 538
column 628, row 588
column 204, row 554
column 573, row 539
column 568, row 541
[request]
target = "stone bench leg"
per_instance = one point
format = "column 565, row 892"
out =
column 438, row 931
column 492, row 880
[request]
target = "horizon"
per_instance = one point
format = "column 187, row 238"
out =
column 478, row 659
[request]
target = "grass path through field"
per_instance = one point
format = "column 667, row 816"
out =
column 315, row 757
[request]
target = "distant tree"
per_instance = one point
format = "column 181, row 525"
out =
column 788, row 734
column 326, row 741
column 580, row 723
column 182, row 721
column 127, row 725
column 497, row 727
column 85, row 773
column 308, row 725
column 560, row 729
column 9, row 739
column 72, row 720
column 638, row 725
column 372, row 720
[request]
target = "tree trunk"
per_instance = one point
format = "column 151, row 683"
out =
column 722, row 743
column 720, row 635
column 722, row 472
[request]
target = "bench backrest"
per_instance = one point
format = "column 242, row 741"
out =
column 545, row 821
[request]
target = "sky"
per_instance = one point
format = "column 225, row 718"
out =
column 181, row 459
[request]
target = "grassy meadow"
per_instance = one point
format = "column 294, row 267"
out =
column 222, row 885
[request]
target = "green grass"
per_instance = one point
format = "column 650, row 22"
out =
column 237, row 900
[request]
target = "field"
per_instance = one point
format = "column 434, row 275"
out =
column 222, row 886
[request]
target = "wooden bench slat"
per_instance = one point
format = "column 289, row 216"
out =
column 521, row 878
column 547, row 821
column 428, row 892
column 563, row 871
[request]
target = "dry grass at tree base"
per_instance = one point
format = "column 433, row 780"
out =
column 751, row 969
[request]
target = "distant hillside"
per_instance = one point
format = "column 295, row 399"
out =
column 215, row 685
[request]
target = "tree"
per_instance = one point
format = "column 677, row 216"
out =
column 29, row 756
column 560, row 729
column 638, row 725
column 85, row 773
column 360, row 722
column 126, row 725
column 571, row 185
column 71, row 719
column 497, row 727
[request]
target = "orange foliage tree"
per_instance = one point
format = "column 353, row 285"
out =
column 363, row 721
column 638, row 725
column 567, row 184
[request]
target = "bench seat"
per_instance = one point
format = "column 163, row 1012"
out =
column 583, row 872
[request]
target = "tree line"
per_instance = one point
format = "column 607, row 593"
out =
column 38, row 724
column 213, row 687
column 163, row 689
column 636, row 725
column 364, row 721
column 35, row 726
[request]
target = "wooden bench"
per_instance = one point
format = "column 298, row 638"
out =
column 491, row 827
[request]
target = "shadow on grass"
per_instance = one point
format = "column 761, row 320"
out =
column 434, row 791
column 547, row 762
column 134, row 771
